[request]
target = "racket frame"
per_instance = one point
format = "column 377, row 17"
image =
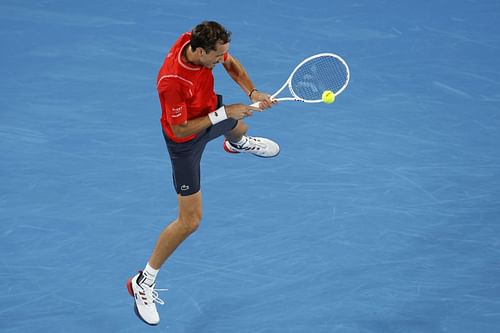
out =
column 288, row 82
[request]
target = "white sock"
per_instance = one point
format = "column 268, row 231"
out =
column 149, row 274
column 241, row 142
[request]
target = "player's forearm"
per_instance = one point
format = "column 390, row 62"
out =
column 238, row 73
column 193, row 126
column 196, row 125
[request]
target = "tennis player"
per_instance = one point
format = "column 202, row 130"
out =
column 193, row 115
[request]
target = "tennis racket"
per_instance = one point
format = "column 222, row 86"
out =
column 314, row 75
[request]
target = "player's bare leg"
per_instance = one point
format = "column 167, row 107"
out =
column 237, row 132
column 142, row 286
column 188, row 220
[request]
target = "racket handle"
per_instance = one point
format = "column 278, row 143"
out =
column 256, row 104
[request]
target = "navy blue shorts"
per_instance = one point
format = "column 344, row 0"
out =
column 186, row 156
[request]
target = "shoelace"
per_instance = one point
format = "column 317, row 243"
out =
column 251, row 144
column 152, row 293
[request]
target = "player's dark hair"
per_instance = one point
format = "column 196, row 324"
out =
column 207, row 34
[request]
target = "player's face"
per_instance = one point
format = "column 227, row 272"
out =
column 214, row 57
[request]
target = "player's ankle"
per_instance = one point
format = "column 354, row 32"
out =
column 148, row 275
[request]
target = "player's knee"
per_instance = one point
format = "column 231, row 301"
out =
column 191, row 221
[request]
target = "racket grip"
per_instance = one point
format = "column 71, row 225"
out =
column 256, row 104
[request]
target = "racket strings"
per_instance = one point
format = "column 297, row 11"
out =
column 315, row 76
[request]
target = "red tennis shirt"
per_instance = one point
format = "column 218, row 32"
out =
column 186, row 91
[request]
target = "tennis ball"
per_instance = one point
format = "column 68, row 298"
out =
column 328, row 97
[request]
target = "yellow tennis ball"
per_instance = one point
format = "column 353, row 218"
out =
column 328, row 97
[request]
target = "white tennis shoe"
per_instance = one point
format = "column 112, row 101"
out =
column 145, row 298
column 258, row 146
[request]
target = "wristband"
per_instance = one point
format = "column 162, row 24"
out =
column 218, row 115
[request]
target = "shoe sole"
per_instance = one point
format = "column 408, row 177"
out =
column 265, row 156
column 131, row 292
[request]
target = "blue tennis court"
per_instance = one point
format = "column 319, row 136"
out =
column 381, row 214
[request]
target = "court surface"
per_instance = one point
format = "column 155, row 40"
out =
column 381, row 213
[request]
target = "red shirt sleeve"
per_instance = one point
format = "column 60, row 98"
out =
column 173, row 99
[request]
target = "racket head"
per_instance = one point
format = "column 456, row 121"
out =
column 314, row 75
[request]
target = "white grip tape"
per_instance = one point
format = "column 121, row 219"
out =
column 218, row 115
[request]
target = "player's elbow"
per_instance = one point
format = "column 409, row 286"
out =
column 180, row 131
